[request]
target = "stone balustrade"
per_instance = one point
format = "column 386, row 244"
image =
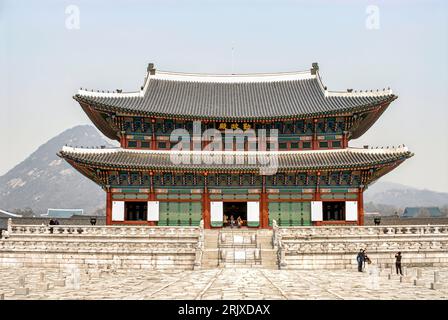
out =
column 130, row 247
column 376, row 245
column 362, row 231
column 97, row 246
column 103, row 231
column 337, row 246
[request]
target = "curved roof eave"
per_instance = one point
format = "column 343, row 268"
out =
column 359, row 108
column 325, row 160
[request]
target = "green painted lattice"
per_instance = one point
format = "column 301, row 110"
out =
column 290, row 213
column 180, row 213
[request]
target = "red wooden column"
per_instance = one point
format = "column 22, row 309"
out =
column 152, row 194
column 317, row 195
column 361, row 206
column 264, row 208
column 108, row 207
column 206, row 204
column 314, row 142
column 153, row 140
column 344, row 140
column 123, row 139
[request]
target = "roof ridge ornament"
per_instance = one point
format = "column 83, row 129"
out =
column 151, row 69
column 314, row 68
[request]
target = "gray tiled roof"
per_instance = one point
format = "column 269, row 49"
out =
column 299, row 160
column 253, row 98
column 414, row 212
column 6, row 214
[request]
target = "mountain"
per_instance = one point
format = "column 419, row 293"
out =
column 43, row 180
column 401, row 196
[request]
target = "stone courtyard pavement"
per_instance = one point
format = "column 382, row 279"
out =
column 228, row 284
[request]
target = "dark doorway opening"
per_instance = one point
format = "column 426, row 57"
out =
column 136, row 211
column 333, row 210
column 235, row 209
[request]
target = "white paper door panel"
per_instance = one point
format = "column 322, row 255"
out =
column 351, row 210
column 117, row 210
column 253, row 211
column 216, row 211
column 153, row 211
column 316, row 211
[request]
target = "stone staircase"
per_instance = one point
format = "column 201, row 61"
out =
column 239, row 248
column 268, row 253
column 210, row 252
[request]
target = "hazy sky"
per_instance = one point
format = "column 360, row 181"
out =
column 43, row 63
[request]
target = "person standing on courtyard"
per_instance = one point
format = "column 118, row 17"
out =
column 398, row 263
column 360, row 259
column 367, row 261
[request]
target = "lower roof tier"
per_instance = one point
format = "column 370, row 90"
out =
column 147, row 160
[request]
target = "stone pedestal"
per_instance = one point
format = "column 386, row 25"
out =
column 45, row 286
column 418, row 282
column 405, row 279
column 22, row 291
column 419, row 273
column 435, row 286
column 436, row 276
column 59, row 282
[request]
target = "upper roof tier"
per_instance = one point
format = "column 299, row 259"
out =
column 229, row 97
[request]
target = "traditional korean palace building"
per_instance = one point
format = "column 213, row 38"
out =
column 169, row 169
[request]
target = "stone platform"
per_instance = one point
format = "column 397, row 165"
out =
column 188, row 248
column 226, row 284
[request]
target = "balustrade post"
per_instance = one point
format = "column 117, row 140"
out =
column 9, row 227
column 282, row 257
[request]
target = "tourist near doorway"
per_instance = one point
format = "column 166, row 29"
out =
column 222, row 211
column 237, row 211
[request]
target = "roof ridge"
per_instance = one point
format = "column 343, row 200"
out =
column 233, row 74
column 230, row 78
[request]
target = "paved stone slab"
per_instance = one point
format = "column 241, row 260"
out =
column 231, row 283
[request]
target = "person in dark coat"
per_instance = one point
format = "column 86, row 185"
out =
column 51, row 223
column 360, row 259
column 398, row 262
column 366, row 259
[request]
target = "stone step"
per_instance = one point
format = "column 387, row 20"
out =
column 242, row 265
column 209, row 255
